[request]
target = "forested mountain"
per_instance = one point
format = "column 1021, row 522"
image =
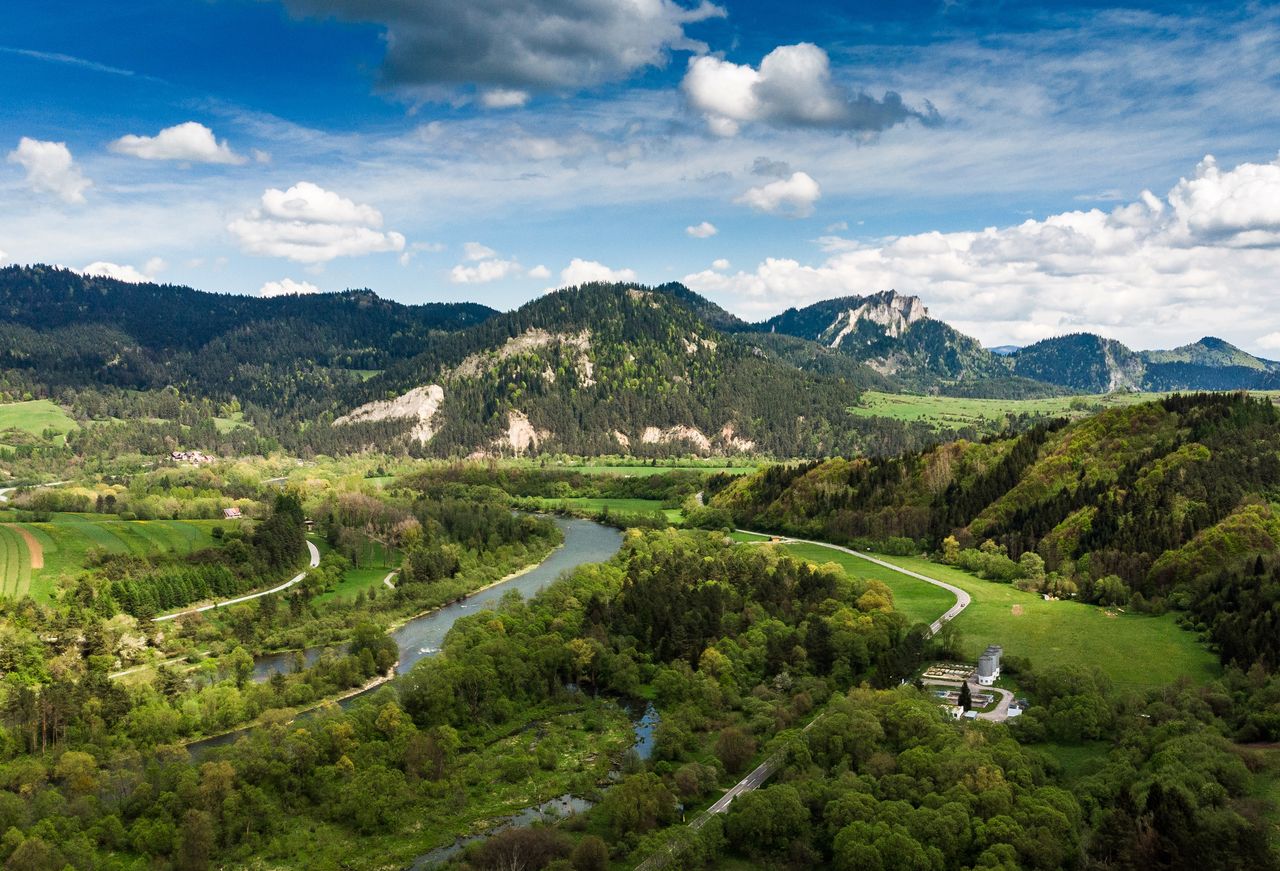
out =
column 595, row 369
column 1164, row 504
column 617, row 368
column 1089, row 363
column 61, row 329
column 894, row 335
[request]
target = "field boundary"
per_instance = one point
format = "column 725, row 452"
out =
column 34, row 548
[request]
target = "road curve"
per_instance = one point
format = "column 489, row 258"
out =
column 962, row 598
column 765, row 770
column 315, row 561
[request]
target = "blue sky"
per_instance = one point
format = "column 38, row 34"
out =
column 989, row 157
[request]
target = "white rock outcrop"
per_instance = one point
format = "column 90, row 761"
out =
column 893, row 312
column 421, row 403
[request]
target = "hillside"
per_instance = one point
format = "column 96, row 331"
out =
column 1155, row 505
column 1089, row 363
column 614, row 368
column 62, row 329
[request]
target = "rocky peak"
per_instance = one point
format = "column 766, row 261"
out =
column 893, row 312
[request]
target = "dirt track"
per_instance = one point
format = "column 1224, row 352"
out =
column 33, row 545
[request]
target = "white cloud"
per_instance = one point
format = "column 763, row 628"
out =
column 705, row 230
column 792, row 88
column 720, row 264
column 309, row 224
column 538, row 271
column 504, row 98
column 106, row 269
column 190, row 141
column 484, row 271
column 581, row 271
column 50, row 169
column 155, row 266
column 310, row 202
column 1202, row 259
column 287, row 287
column 792, row 196
column 476, row 251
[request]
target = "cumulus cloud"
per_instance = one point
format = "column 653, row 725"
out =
column 538, row 271
column 287, row 287
column 1203, row 258
column 120, row 272
column 581, row 271
column 792, row 196
column 50, row 169
column 481, row 264
column 720, row 264
column 191, row 141
column 309, row 224
column 484, row 271
column 504, row 46
column 705, row 230
column 791, row 88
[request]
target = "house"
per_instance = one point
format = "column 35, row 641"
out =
column 989, row 665
column 955, row 711
column 193, row 457
column 231, row 513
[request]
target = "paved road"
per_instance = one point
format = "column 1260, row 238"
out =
column 387, row 580
column 962, row 598
column 5, row 491
column 1001, row 712
column 315, row 561
column 757, row 778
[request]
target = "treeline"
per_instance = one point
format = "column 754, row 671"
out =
column 146, row 586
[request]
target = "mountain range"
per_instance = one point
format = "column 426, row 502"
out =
column 602, row 368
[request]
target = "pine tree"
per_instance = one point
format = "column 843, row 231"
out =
column 966, row 699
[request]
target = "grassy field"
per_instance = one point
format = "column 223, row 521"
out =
column 35, row 417
column 921, row 602
column 234, row 422
column 950, row 413
column 617, row 506
column 15, row 564
column 1135, row 652
column 67, row 539
column 375, row 564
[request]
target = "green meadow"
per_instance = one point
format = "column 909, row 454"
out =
column 1134, row 651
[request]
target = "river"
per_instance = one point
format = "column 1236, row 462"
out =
column 584, row 542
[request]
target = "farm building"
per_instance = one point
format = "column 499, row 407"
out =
column 232, row 513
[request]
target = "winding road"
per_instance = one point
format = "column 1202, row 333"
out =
column 765, row 770
column 315, row 561
column 962, row 598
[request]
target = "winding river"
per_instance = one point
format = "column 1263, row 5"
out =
column 584, row 542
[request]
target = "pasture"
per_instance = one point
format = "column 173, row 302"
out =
column 953, row 413
column 66, row 541
column 35, row 417
column 593, row 506
column 921, row 602
column 1136, row 652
